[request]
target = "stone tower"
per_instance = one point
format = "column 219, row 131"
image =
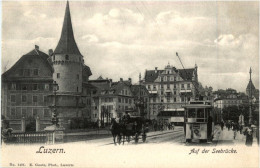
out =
column 67, row 60
column 71, row 75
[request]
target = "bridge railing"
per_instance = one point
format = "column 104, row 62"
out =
column 30, row 138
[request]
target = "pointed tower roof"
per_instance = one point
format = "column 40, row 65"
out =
column 67, row 43
column 252, row 85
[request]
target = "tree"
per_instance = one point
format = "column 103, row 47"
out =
column 233, row 112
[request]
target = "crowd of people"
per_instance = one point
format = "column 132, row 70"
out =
column 245, row 130
column 161, row 126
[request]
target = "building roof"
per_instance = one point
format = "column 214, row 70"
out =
column 185, row 74
column 151, row 75
column 34, row 53
column 67, row 43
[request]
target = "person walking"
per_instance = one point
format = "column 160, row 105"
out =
column 249, row 136
column 222, row 125
column 235, row 128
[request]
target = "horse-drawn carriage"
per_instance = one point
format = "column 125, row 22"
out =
column 132, row 129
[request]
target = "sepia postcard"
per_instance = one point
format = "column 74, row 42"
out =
column 129, row 84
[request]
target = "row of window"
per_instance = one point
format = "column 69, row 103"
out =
column 30, row 86
column 168, row 99
column 24, row 98
column 124, row 100
column 122, row 107
column 168, row 78
column 58, row 76
column 28, row 72
column 124, row 92
column 106, row 99
column 168, row 86
column 67, row 58
column 14, row 113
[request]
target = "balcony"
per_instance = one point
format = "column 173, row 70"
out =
column 153, row 91
column 185, row 90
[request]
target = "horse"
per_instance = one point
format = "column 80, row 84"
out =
column 116, row 131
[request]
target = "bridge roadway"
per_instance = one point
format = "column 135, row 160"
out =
column 167, row 136
column 175, row 136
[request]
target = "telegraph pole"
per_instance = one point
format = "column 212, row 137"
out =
column 250, row 98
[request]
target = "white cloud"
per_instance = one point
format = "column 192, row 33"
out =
column 90, row 38
column 228, row 40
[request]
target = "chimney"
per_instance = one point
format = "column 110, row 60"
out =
column 130, row 80
column 37, row 47
column 156, row 69
column 50, row 52
column 121, row 79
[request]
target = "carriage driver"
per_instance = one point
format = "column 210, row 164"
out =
column 126, row 117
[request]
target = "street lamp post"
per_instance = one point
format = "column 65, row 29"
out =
column 55, row 119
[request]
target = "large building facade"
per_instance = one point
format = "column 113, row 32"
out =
column 229, row 98
column 170, row 88
column 27, row 87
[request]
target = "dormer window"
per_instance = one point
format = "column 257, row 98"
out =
column 66, row 57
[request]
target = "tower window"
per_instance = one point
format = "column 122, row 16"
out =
column 67, row 57
column 77, row 89
column 77, row 76
column 35, row 72
column 58, row 75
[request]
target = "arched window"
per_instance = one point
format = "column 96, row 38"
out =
column 66, row 57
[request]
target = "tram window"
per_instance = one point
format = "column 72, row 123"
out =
column 200, row 113
column 191, row 113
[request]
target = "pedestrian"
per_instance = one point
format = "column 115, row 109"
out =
column 249, row 136
column 234, row 129
column 222, row 125
column 228, row 126
column 241, row 128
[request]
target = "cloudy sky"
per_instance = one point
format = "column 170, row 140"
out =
column 122, row 39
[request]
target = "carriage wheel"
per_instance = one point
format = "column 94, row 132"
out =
column 144, row 137
column 118, row 139
column 136, row 138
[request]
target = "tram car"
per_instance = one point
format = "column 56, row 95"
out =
column 198, row 121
